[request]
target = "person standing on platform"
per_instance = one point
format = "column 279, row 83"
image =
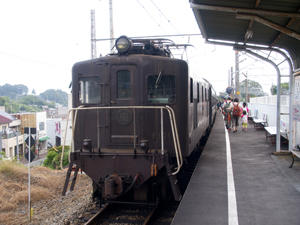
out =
column 222, row 106
column 227, row 113
column 236, row 114
column 245, row 120
column 245, row 108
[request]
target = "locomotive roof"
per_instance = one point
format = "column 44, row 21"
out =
column 153, row 46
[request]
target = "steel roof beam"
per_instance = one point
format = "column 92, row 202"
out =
column 287, row 25
column 249, row 32
column 269, row 24
column 245, row 10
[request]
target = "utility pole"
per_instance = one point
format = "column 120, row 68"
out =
column 246, row 87
column 111, row 25
column 93, row 35
column 18, row 157
column 231, row 81
column 237, row 76
column 229, row 77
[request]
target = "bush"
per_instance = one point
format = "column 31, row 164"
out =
column 2, row 155
column 54, row 156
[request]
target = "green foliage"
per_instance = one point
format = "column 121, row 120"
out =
column 2, row 155
column 58, row 96
column 13, row 90
column 15, row 98
column 29, row 103
column 284, row 88
column 9, row 105
column 250, row 84
column 53, row 157
column 33, row 101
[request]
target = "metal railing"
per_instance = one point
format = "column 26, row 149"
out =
column 172, row 122
column 11, row 135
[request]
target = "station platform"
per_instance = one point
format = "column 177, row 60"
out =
column 241, row 181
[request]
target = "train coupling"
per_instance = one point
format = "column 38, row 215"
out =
column 113, row 186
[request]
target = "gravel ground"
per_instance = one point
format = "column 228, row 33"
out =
column 65, row 209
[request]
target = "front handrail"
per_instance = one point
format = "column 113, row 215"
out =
column 172, row 122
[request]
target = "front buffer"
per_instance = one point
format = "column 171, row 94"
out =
column 139, row 177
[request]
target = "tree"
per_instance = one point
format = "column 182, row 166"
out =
column 254, row 89
column 33, row 91
column 284, row 88
column 13, row 90
column 57, row 96
column 21, row 89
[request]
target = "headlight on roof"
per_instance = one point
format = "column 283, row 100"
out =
column 123, row 44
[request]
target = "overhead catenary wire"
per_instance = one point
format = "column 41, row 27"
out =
column 26, row 59
column 165, row 17
column 151, row 16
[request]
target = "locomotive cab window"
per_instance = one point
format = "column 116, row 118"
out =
column 124, row 84
column 89, row 90
column 161, row 89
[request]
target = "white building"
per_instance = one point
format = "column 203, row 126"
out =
column 10, row 135
column 54, row 131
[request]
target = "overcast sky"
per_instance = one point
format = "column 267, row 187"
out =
column 41, row 40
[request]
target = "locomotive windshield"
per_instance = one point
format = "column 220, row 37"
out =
column 89, row 90
column 124, row 84
column 162, row 91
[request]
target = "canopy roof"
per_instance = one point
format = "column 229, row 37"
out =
column 271, row 23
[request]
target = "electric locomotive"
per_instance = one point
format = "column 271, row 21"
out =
column 137, row 114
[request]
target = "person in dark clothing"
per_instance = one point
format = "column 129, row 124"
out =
column 227, row 113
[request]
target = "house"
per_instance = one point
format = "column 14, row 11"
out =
column 54, row 131
column 52, row 111
column 45, row 109
column 11, row 139
column 35, row 120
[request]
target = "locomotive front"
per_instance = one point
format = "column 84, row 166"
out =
column 125, row 135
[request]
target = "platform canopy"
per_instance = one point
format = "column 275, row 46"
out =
column 271, row 23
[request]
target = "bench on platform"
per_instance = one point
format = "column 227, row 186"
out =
column 272, row 131
column 254, row 116
column 296, row 153
column 261, row 123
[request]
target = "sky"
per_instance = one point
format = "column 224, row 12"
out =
column 41, row 40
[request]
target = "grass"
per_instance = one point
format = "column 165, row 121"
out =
column 45, row 183
column 46, row 188
column 11, row 169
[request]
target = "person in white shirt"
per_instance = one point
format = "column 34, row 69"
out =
column 245, row 120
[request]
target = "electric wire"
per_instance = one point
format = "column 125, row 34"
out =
column 165, row 17
column 22, row 58
column 151, row 16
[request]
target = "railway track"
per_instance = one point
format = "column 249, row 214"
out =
column 133, row 214
column 128, row 214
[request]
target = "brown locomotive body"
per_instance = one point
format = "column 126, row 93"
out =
column 137, row 115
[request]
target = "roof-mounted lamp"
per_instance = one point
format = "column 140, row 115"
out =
column 123, row 44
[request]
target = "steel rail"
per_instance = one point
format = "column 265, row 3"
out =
column 149, row 216
column 95, row 219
